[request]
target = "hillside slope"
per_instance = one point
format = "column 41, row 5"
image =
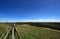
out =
column 32, row 32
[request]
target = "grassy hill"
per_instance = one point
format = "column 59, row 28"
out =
column 32, row 32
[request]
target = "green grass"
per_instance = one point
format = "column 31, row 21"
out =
column 31, row 32
column 3, row 28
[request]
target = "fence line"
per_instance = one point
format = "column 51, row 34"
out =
column 12, row 30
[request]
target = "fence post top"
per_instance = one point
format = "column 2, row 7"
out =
column 13, row 25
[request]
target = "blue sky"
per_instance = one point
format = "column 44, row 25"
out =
column 23, row 10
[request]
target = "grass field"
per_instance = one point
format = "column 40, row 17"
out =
column 3, row 28
column 32, row 32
